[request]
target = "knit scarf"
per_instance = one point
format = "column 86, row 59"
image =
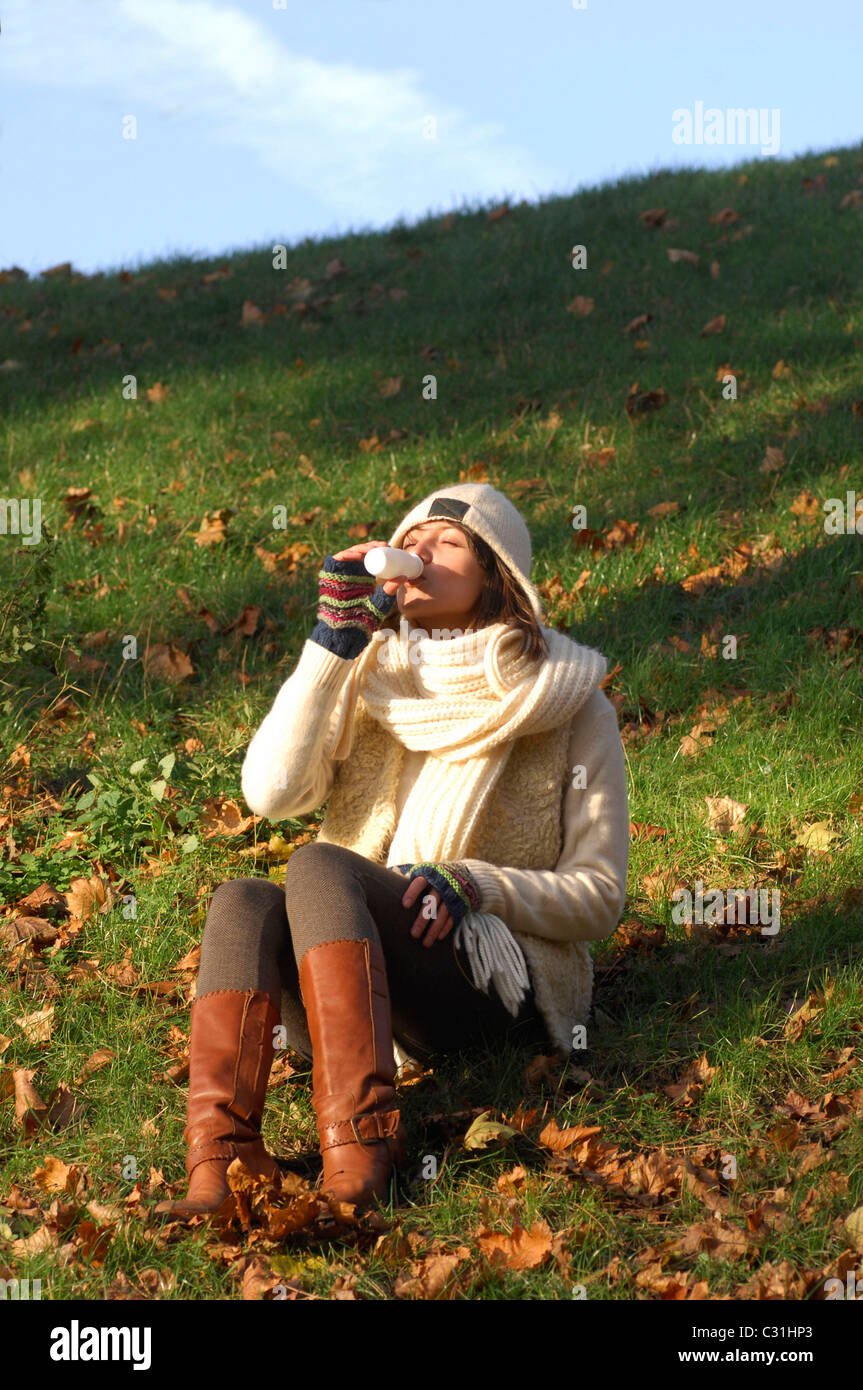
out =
column 463, row 701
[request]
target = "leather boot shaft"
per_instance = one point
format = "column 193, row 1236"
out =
column 346, row 996
column 230, row 1055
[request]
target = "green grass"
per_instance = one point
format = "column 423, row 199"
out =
column 272, row 415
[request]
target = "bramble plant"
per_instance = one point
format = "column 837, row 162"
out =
column 129, row 812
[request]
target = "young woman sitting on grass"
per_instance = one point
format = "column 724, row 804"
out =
column 475, row 841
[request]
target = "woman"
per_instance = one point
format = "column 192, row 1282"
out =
column 484, row 766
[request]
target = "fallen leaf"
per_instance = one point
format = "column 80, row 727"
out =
column 87, row 896
column 98, row 1059
column 638, row 402
column 213, row 526
column 692, row 1082
column 167, row 661
column 38, row 1026
column 30, row 1108
column 522, row 1249
column 854, row 1227
column 56, row 1176
column 581, row 306
column 816, row 835
column 726, row 816
column 484, row 1132
column 34, row 929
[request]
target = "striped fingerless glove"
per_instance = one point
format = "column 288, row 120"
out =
column 350, row 607
column 456, row 884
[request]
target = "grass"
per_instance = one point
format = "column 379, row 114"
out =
column 299, row 410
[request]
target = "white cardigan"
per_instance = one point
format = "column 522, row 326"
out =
column 580, row 899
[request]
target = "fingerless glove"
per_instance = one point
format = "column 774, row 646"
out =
column 456, row 884
column 350, row 607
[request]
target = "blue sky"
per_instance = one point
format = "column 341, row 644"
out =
column 258, row 124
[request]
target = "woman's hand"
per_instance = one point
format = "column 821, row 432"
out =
column 453, row 890
column 351, row 605
column 440, row 924
column 357, row 552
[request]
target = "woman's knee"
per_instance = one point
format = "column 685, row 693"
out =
column 314, row 864
column 242, row 901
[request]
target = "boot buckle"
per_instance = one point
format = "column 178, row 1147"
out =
column 373, row 1139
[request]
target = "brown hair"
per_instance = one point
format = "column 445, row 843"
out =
column 502, row 598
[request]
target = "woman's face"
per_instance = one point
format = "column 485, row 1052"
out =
column 447, row 593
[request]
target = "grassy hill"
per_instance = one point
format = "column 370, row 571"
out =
column 200, row 434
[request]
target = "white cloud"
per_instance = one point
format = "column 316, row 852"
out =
column 352, row 134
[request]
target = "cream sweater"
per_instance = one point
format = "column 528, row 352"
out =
column 581, row 899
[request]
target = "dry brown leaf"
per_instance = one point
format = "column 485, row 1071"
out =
column 653, row 1174
column 690, row 1086
column 221, row 816
column 664, row 509
column 726, row 816
column 805, row 504
column 725, row 217
column 430, row 1275
column 661, row 883
column 513, row 1183
column 38, row 1026
column 639, row 402
column 622, row 533
column 98, row 1059
column 641, row 830
column 56, row 1176
column 34, row 929
column 124, row 972
column 87, row 896
column 719, row 1239
column 213, row 526
column 30, row 1108
column 521, row 1250
column 559, row 1140
column 167, row 661
column 774, row 460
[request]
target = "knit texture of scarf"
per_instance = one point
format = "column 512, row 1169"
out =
column 463, row 701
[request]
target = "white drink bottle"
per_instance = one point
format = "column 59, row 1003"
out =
column 386, row 562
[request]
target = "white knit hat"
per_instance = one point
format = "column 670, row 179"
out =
column 489, row 513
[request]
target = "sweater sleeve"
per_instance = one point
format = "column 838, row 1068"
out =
column 583, row 896
column 287, row 769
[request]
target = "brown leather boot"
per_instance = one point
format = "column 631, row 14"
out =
column 230, row 1055
column 344, row 989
